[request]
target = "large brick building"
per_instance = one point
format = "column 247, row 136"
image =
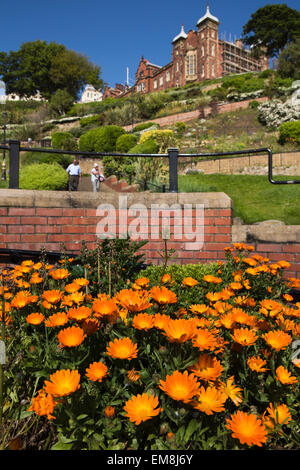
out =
column 197, row 56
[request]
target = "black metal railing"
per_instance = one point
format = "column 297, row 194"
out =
column 14, row 149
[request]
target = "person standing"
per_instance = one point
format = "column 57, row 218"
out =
column 74, row 173
column 96, row 178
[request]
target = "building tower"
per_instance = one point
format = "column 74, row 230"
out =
column 178, row 58
column 208, row 37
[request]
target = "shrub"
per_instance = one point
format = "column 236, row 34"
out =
column 125, row 142
column 64, row 141
column 87, row 121
column 101, row 139
column 163, row 138
column 143, row 126
column 289, row 132
column 180, row 127
column 254, row 104
column 63, row 160
column 150, row 146
column 43, row 177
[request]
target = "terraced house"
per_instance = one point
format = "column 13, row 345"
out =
column 197, row 56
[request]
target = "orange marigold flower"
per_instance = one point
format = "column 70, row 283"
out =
column 163, row 296
column 122, row 349
column 284, row 376
column 90, row 326
column 235, row 285
column 212, row 279
column 143, row 321
column 284, row 264
column 214, row 296
column 227, row 320
column 134, row 301
column 140, row 408
column 249, row 261
column 142, row 282
column 59, row 274
column 109, row 411
column 79, row 313
column 81, row 281
column 207, row 368
column 43, row 405
column 166, row 278
column 35, row 278
column 296, row 362
column 240, row 316
column 72, row 287
column 76, row 298
column 133, row 375
column 231, row 390
column 189, row 282
column 52, row 296
column 57, row 319
column 278, row 339
column 105, row 308
column 210, row 400
column 199, row 309
column 276, row 415
column 247, row 428
column 180, row 386
column 21, row 299
column 179, row 331
column 63, row 382
column 35, row 318
column 96, row 371
column 257, row 364
column 204, row 340
column 70, row 337
column 244, row 336
column 160, row 320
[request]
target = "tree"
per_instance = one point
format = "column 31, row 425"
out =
column 71, row 71
column 271, row 28
column 61, row 101
column 289, row 61
column 39, row 66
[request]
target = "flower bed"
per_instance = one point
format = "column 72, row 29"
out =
column 164, row 362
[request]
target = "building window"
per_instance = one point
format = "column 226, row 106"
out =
column 161, row 81
column 213, row 70
column 167, row 76
column 202, row 70
column 155, row 84
column 191, row 64
column 213, row 49
column 202, row 51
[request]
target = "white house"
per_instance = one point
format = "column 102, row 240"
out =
column 90, row 94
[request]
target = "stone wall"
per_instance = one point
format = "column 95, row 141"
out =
column 30, row 220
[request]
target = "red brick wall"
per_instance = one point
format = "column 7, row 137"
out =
column 31, row 228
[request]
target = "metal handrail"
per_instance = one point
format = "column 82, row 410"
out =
column 173, row 155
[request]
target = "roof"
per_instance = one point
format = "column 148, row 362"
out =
column 181, row 35
column 208, row 16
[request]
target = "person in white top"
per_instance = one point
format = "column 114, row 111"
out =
column 74, row 173
column 96, row 177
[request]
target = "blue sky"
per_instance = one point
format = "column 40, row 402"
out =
column 114, row 35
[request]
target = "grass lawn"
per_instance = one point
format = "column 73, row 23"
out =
column 254, row 198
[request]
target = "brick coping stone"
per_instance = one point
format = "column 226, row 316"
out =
column 58, row 199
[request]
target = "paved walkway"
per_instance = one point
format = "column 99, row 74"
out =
column 86, row 185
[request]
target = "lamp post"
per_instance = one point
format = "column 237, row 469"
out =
column 3, row 177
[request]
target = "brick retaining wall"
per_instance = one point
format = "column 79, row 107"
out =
column 30, row 220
